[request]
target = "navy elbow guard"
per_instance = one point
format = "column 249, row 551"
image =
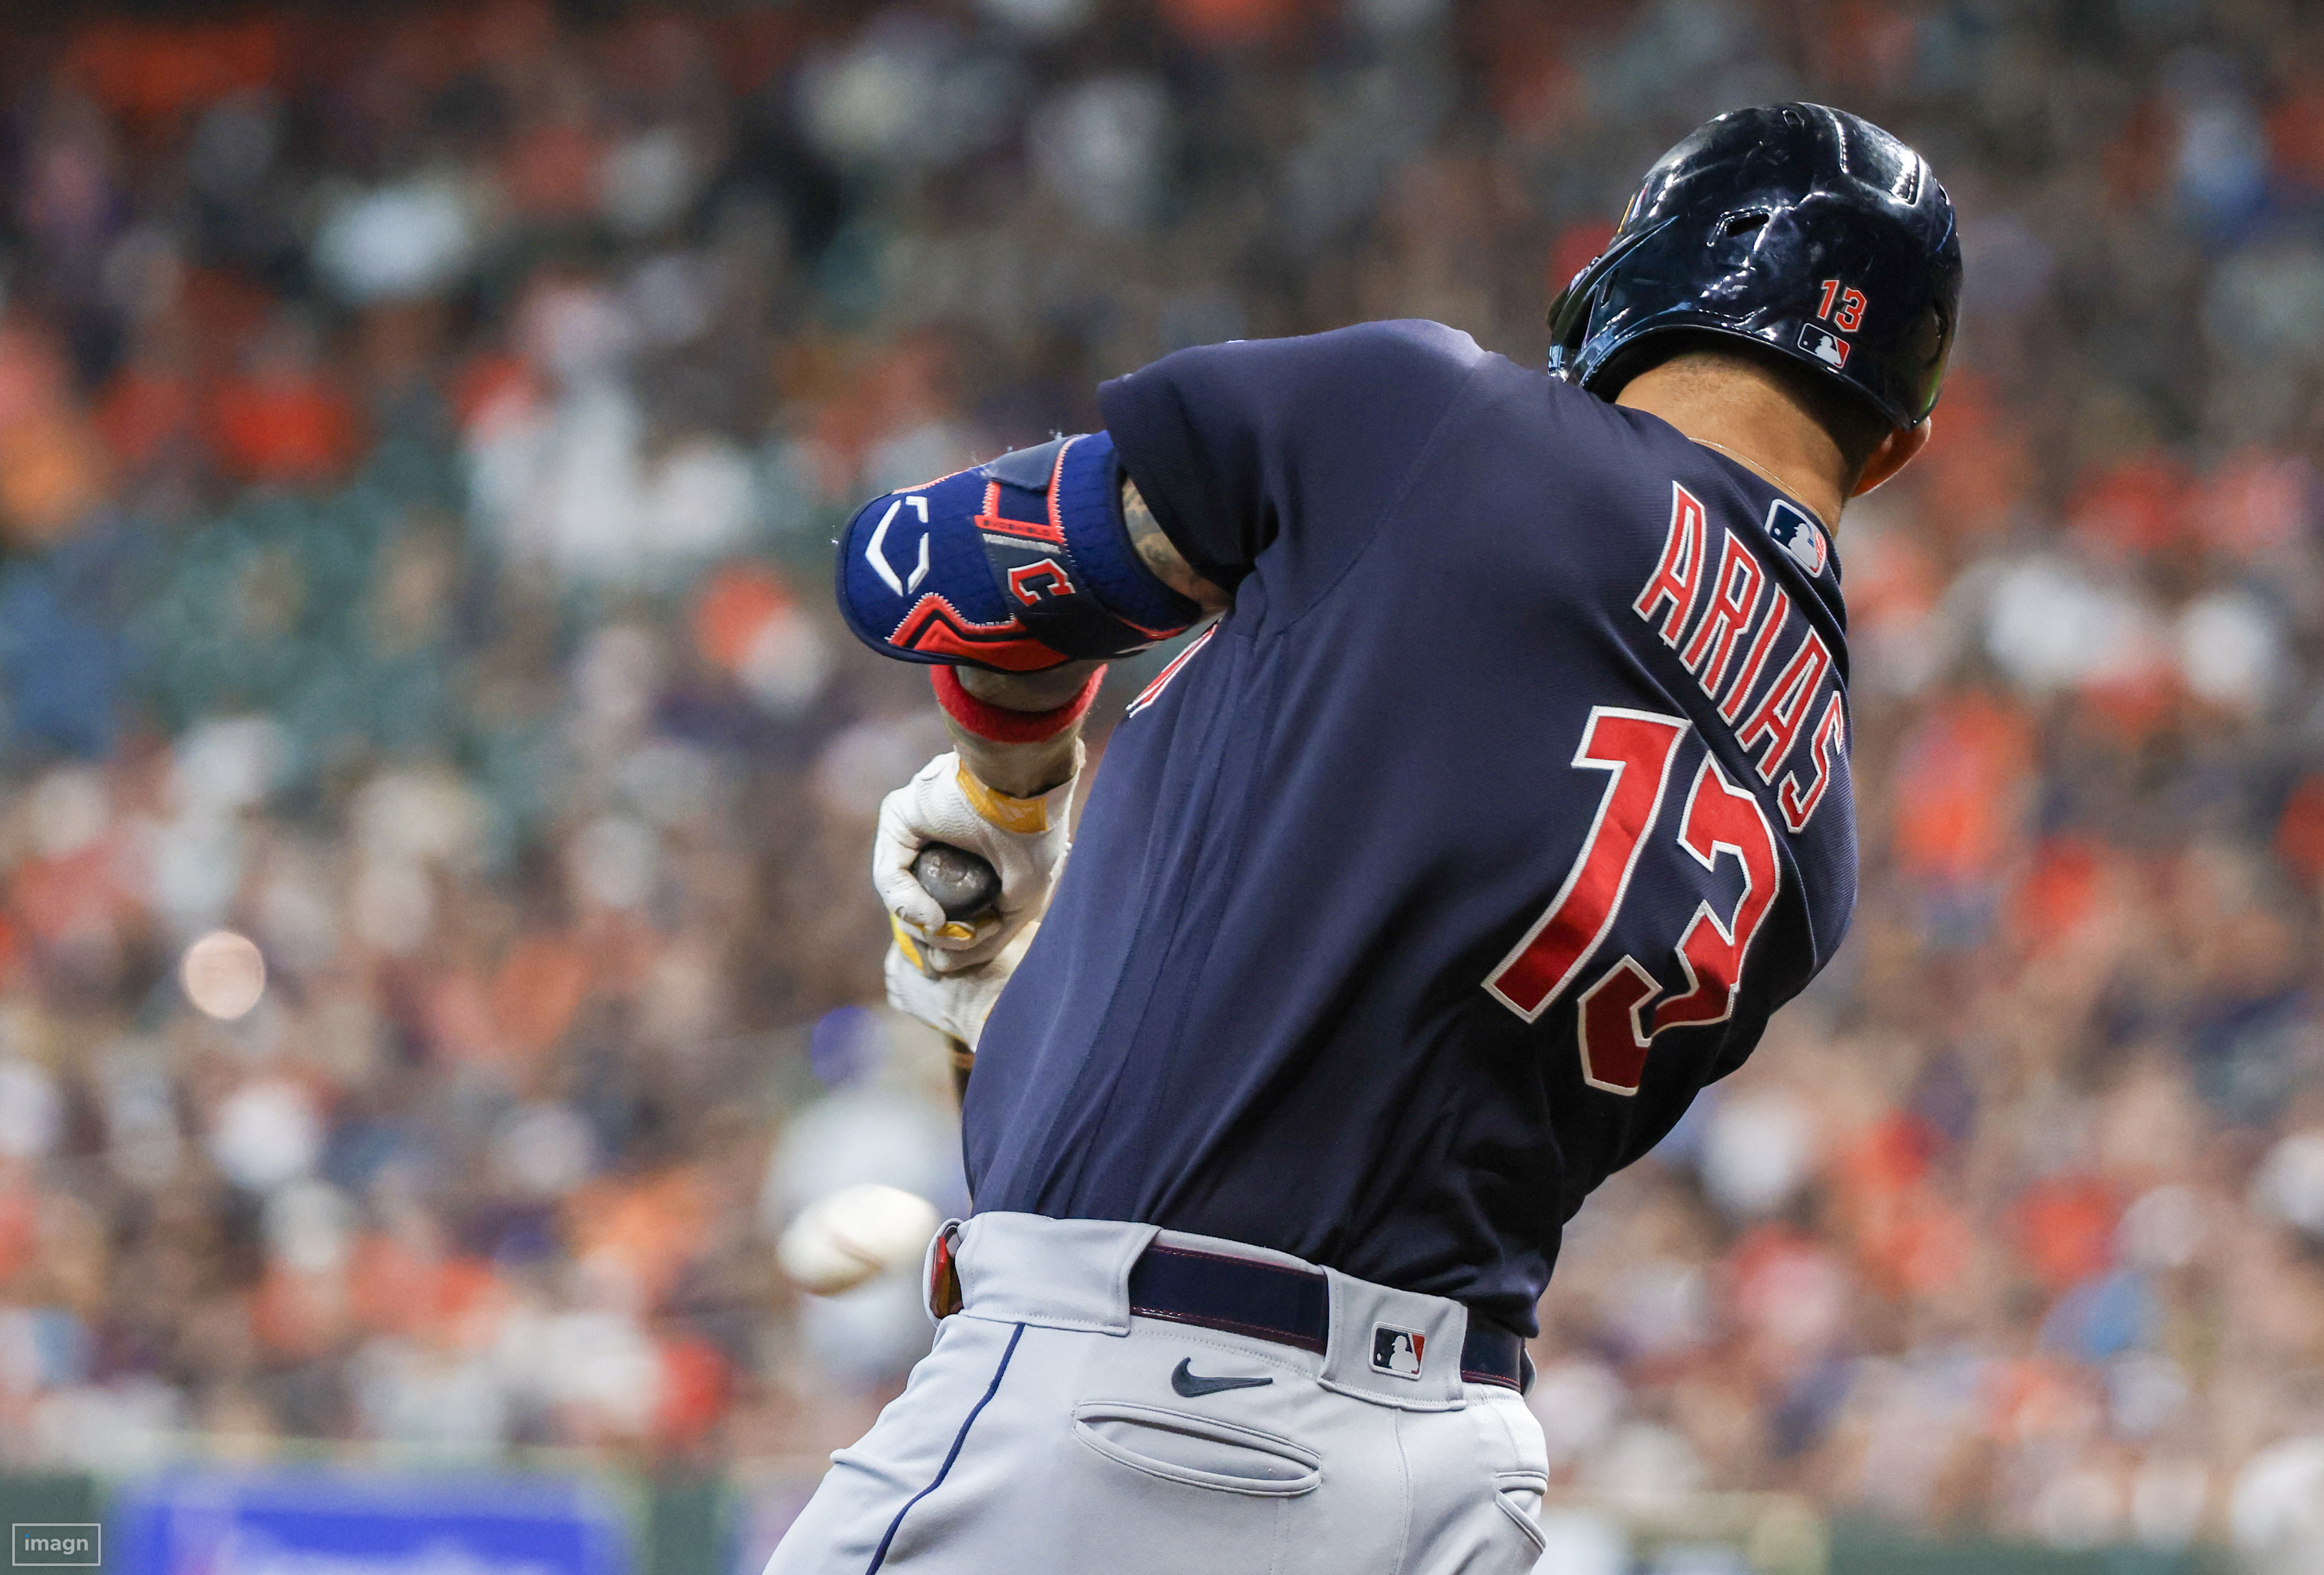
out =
column 1015, row 565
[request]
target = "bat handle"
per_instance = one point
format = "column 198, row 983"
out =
column 964, row 885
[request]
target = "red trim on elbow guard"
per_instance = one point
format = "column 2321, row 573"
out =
column 1002, row 726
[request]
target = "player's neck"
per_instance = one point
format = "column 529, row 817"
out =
column 1743, row 413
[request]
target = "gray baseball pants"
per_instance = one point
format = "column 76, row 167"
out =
column 1051, row 1432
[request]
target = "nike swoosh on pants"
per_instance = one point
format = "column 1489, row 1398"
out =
column 1189, row 1384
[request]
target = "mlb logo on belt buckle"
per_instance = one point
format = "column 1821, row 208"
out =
column 1397, row 1351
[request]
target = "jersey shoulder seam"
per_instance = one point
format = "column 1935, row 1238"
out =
column 1396, row 499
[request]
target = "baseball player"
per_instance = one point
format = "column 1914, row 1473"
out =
column 1504, row 800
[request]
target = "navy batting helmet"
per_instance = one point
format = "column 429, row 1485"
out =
column 1805, row 229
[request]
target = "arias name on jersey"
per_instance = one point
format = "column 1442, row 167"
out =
column 1487, row 827
column 1737, row 595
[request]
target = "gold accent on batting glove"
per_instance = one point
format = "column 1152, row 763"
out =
column 1025, row 816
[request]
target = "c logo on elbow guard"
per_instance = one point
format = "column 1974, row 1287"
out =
column 1032, row 583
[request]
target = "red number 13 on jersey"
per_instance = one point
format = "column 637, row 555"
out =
column 1636, row 748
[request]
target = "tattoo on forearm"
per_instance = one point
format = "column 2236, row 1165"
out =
column 1162, row 556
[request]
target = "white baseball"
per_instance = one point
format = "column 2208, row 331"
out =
column 223, row 974
column 840, row 1241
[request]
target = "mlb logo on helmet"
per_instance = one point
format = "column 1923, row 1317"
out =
column 1790, row 528
column 1824, row 347
column 1397, row 1351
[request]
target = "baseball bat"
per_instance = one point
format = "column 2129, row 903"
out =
column 964, row 885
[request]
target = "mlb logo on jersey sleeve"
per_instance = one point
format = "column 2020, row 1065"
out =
column 1397, row 1351
column 1794, row 530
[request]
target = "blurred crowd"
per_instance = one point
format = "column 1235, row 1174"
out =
column 421, row 432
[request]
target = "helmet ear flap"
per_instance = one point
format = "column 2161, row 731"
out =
column 1569, row 314
column 1569, row 317
column 1933, row 334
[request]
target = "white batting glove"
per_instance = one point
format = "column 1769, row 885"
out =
column 956, row 1003
column 1024, row 839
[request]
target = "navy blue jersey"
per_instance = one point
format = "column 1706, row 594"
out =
column 1489, row 824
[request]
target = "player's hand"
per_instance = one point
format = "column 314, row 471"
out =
column 956, row 1003
column 1024, row 839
